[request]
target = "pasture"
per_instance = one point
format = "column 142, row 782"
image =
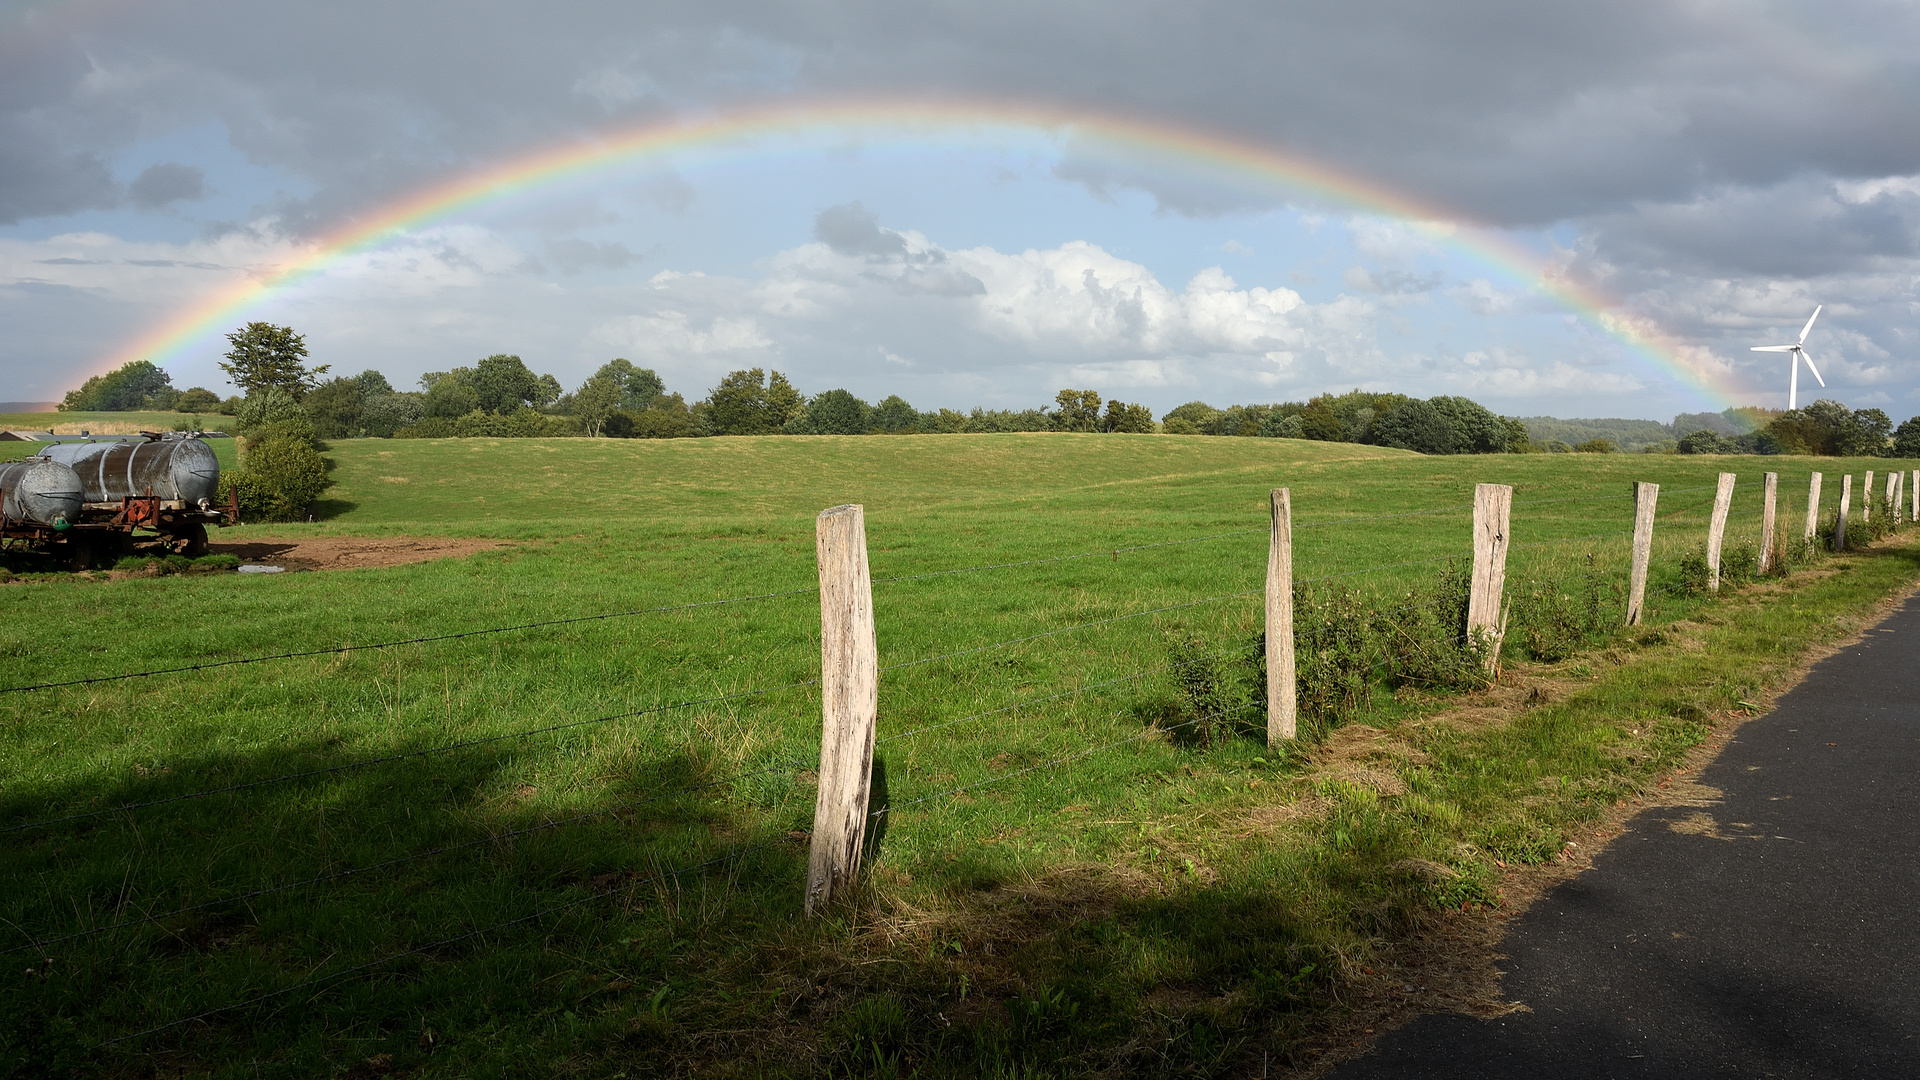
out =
column 579, row 848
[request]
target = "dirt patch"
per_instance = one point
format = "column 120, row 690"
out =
column 349, row 553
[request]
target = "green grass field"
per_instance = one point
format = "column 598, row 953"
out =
column 1093, row 902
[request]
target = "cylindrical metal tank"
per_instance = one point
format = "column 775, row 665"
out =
column 40, row 491
column 168, row 468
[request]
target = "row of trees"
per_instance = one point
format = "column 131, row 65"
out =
column 501, row 396
column 1825, row 428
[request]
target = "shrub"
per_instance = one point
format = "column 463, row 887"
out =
column 1209, row 698
column 1550, row 621
column 269, row 406
column 1334, row 648
column 279, row 480
column 1425, row 639
column 1694, row 572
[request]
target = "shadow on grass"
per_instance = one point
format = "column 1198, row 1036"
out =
column 483, row 809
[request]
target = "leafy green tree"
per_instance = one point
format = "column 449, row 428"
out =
column 501, row 384
column 1078, row 410
column 638, row 386
column 1193, row 418
column 667, row 419
column 198, row 399
column 1705, row 441
column 1418, row 426
column 1828, row 428
column 1124, row 418
column 382, row 415
column 1281, row 425
column 372, row 382
column 1476, row 430
column 450, row 394
column 271, row 406
column 836, row 412
column 264, row 357
column 751, row 402
column 1870, row 435
column 124, row 390
column 1596, row 446
column 893, row 416
column 550, row 392
column 595, row 402
column 334, row 408
column 1906, row 439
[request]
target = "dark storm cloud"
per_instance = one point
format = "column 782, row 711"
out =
column 852, row 229
column 168, row 182
column 1513, row 113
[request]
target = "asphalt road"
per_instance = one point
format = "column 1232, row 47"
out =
column 1781, row 938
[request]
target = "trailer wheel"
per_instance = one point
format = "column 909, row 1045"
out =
column 190, row 541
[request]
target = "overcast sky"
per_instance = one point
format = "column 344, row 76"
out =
column 1715, row 169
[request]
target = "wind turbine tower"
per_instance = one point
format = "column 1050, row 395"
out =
column 1799, row 353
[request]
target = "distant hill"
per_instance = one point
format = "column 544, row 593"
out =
column 27, row 406
column 1630, row 436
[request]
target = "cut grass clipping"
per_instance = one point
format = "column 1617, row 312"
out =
column 526, row 853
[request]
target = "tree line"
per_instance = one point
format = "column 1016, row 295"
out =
column 500, row 396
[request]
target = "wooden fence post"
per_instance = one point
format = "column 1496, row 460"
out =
column 1866, row 498
column 1492, row 513
column 1717, row 528
column 1813, row 507
column 1767, row 544
column 849, row 703
column 1893, row 497
column 1281, row 702
column 1645, row 497
column 1915, row 498
column 1840, row 526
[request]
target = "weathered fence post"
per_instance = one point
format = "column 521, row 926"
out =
column 1915, row 498
column 1717, row 528
column 1492, row 513
column 1866, row 498
column 1840, row 525
column 1767, row 544
column 1281, row 703
column 849, row 703
column 1645, row 497
column 1813, row 507
column 1893, row 497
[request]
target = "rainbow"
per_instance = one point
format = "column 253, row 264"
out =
column 1216, row 156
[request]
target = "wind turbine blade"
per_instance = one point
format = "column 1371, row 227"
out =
column 1809, row 326
column 1775, row 348
column 1810, row 367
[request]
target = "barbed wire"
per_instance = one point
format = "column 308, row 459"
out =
column 1066, row 558
column 1149, row 733
column 404, row 755
column 341, row 976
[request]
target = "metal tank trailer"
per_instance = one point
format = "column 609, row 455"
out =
column 40, row 502
column 165, row 483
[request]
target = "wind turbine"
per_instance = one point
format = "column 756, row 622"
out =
column 1799, row 354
